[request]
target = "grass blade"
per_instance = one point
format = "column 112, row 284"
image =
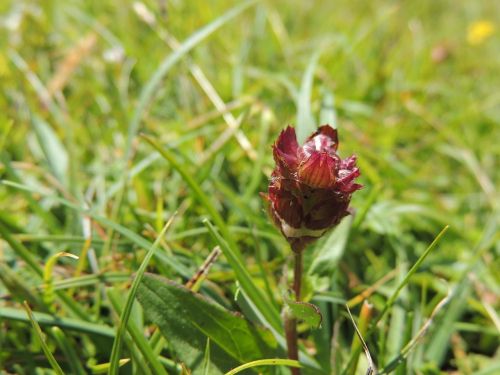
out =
column 305, row 120
column 152, row 85
column 195, row 187
column 132, row 236
column 251, row 290
column 48, row 279
column 43, row 319
column 104, row 367
column 410, row 273
column 265, row 362
column 21, row 250
column 39, row 334
column 138, row 338
column 68, row 350
column 206, row 358
column 115, row 351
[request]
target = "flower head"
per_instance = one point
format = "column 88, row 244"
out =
column 311, row 186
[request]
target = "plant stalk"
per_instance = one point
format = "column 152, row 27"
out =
column 290, row 322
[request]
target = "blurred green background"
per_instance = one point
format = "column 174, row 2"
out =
column 412, row 87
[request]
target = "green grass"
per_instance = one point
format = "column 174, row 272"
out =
column 111, row 121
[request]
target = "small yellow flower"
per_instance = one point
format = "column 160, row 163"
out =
column 479, row 31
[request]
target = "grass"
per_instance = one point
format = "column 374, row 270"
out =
column 114, row 116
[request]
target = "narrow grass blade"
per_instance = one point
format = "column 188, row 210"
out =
column 19, row 287
column 152, row 85
column 5, row 130
column 328, row 114
column 91, row 279
column 371, row 365
column 47, row 217
column 410, row 273
column 21, row 250
column 138, row 338
column 104, row 367
column 43, row 319
column 195, row 187
column 265, row 362
column 68, row 350
column 206, row 358
column 48, row 293
column 194, row 283
column 393, row 364
column 53, row 149
column 267, row 118
column 305, row 121
column 251, row 290
column 135, row 238
column 38, row 331
column 115, row 352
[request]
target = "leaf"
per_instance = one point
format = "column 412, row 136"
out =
column 327, row 256
column 206, row 359
column 103, row 368
column 125, row 315
column 265, row 362
column 305, row 120
column 254, row 294
column 132, row 236
column 151, row 87
column 52, row 148
column 306, row 312
column 328, row 114
column 187, row 319
column 39, row 334
column 136, row 333
column 68, row 349
column 410, row 273
column 48, row 294
column 198, row 193
column 8, row 313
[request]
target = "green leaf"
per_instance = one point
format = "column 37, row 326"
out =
column 39, row 334
column 151, row 87
column 70, row 324
column 410, row 273
column 104, row 367
column 328, row 255
column 132, row 236
column 269, row 314
column 48, row 294
column 136, row 334
column 265, row 362
column 305, row 120
column 328, row 114
column 187, row 319
column 69, row 351
column 306, row 312
column 206, row 359
column 202, row 198
column 124, row 316
column 52, row 148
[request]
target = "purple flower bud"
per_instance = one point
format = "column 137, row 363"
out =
column 311, row 186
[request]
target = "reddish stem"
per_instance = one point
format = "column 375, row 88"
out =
column 290, row 322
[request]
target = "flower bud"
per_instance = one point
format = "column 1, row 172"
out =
column 311, row 186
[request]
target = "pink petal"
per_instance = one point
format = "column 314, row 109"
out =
column 324, row 139
column 318, row 171
column 348, row 163
column 345, row 182
column 285, row 148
